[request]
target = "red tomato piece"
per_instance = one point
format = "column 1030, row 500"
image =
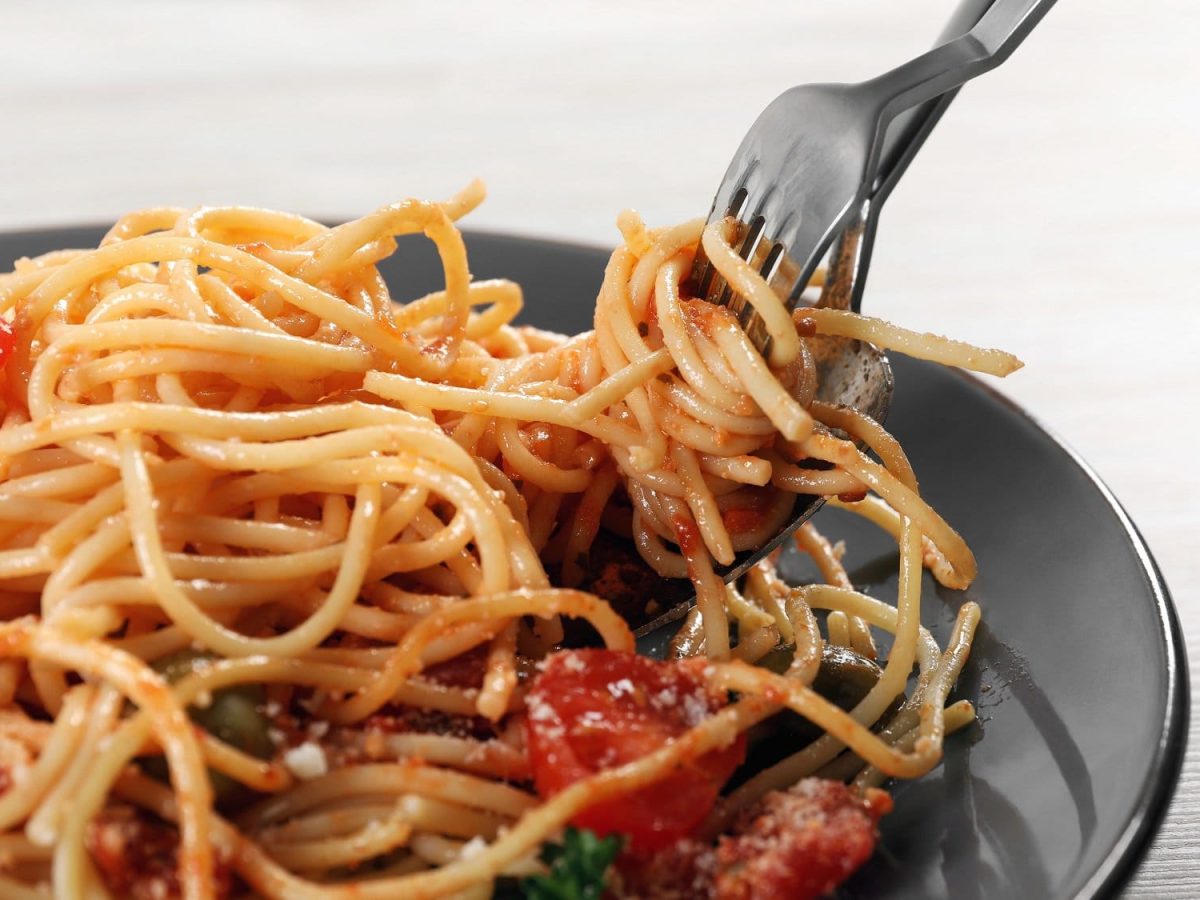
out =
column 797, row 844
column 8, row 342
column 800, row 843
column 594, row 710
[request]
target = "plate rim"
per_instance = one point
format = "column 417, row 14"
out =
column 1129, row 850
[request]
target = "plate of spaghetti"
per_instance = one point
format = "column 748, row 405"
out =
column 320, row 548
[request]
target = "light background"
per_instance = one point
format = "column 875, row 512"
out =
column 1055, row 211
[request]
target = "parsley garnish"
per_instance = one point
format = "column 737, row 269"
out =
column 577, row 867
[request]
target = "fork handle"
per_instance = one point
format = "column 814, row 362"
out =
column 987, row 44
column 912, row 126
column 1007, row 24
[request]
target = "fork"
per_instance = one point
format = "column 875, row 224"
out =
column 820, row 160
column 812, row 174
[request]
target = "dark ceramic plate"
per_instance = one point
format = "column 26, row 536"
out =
column 1078, row 671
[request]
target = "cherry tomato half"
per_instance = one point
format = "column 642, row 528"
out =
column 593, row 710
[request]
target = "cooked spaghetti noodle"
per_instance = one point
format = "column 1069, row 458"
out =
column 224, row 442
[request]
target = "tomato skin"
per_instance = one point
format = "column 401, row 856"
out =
column 593, row 710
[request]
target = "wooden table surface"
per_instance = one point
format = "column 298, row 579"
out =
column 1054, row 212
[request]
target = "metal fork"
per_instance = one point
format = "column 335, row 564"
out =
column 820, row 160
column 812, row 173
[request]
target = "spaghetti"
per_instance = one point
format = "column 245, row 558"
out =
column 242, row 488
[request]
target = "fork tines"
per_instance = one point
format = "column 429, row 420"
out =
column 767, row 256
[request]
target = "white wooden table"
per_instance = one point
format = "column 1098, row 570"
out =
column 1055, row 211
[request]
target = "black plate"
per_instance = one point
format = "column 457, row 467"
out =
column 1078, row 671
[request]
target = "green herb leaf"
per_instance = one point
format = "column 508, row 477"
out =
column 577, row 867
